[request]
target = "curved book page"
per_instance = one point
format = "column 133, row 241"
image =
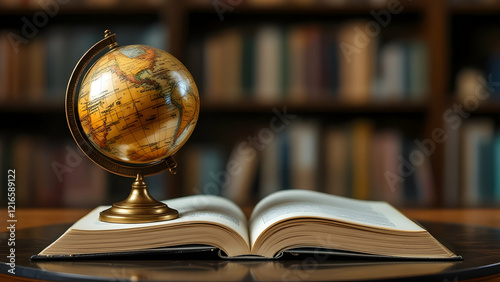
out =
column 204, row 219
column 298, row 218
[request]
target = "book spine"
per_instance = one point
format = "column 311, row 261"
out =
column 362, row 134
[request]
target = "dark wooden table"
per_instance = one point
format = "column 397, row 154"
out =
column 473, row 233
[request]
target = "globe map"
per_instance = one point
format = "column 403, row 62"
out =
column 138, row 104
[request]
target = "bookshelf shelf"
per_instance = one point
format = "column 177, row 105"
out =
column 31, row 108
column 325, row 106
column 254, row 106
column 475, row 8
column 488, row 108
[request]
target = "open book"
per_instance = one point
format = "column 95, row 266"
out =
column 289, row 220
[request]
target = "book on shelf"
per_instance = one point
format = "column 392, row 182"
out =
column 202, row 165
column 362, row 133
column 493, row 71
column 480, row 147
column 385, row 149
column 239, row 175
column 452, row 169
column 357, row 63
column 285, row 221
column 271, row 169
column 402, row 71
column 473, row 133
column 268, row 47
column 304, row 154
column 335, row 147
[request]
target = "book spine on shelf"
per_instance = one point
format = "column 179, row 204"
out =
column 361, row 142
column 496, row 167
column 304, row 154
column 271, row 167
column 477, row 136
column 357, row 63
column 268, row 64
column 386, row 148
column 336, row 148
column 240, row 173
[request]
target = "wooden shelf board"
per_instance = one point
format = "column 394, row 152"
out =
column 487, row 107
column 474, row 8
column 317, row 106
column 255, row 107
column 314, row 8
column 71, row 9
column 31, row 108
column 492, row 108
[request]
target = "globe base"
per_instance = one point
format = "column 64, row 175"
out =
column 139, row 207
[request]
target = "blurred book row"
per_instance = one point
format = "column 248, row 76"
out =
column 56, row 174
column 356, row 159
column 308, row 61
column 38, row 72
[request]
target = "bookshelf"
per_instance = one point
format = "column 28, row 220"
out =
column 233, row 112
column 330, row 111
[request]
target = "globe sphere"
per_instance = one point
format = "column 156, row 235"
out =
column 138, row 104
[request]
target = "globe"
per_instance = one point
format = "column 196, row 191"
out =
column 138, row 104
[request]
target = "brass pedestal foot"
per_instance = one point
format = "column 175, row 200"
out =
column 139, row 207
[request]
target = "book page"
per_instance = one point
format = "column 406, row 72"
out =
column 289, row 204
column 199, row 208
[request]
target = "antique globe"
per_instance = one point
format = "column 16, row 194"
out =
column 138, row 104
column 134, row 108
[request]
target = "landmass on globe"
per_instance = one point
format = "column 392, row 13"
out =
column 138, row 104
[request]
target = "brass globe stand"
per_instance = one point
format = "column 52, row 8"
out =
column 139, row 207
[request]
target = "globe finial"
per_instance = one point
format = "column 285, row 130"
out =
column 108, row 35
